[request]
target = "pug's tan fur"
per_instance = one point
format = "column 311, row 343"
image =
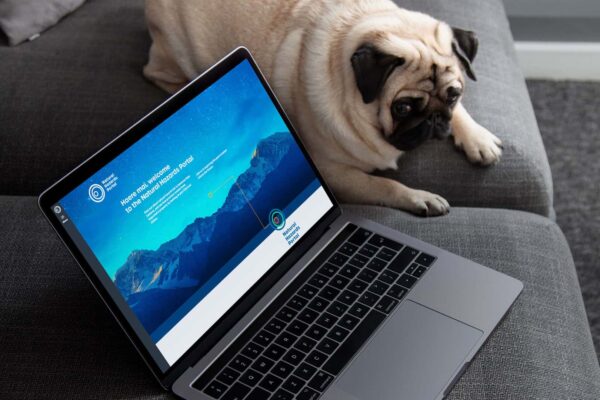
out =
column 304, row 48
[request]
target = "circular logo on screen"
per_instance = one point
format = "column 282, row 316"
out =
column 277, row 219
column 57, row 209
column 96, row 193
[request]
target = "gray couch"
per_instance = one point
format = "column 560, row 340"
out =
column 69, row 92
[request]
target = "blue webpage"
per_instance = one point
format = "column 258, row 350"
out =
column 219, row 186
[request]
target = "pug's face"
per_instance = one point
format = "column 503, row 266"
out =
column 416, row 79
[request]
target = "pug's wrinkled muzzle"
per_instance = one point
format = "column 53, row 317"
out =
column 436, row 126
column 440, row 126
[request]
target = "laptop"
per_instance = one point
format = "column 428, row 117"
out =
column 219, row 249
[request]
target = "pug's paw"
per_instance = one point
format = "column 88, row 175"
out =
column 480, row 145
column 426, row 204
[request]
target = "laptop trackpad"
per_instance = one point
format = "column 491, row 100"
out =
column 412, row 357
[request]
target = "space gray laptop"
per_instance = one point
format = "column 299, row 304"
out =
column 214, row 241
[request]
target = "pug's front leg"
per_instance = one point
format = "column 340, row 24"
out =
column 479, row 144
column 351, row 185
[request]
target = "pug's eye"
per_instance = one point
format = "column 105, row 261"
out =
column 402, row 109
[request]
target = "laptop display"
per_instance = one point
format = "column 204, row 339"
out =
column 185, row 221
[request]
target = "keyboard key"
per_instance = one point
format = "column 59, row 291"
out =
column 376, row 264
column 386, row 304
column 338, row 259
column 349, row 322
column 283, row 369
column 349, row 271
column 339, row 282
column 354, row 342
column 338, row 333
column 412, row 268
column 275, row 326
column 274, row 351
column 379, row 287
column 318, row 280
column 348, row 249
column 308, row 291
column 308, row 316
column 240, row 363
column 252, row 350
column 282, row 395
column 403, row 259
column 360, row 236
column 228, row 376
column 386, row 254
column 347, row 297
column 215, row 389
column 358, row 310
column 425, row 259
column 329, row 293
column 388, row 276
column 358, row 286
column 258, row 394
column 286, row 314
column 367, row 275
column 378, row 240
column 293, row 356
column 316, row 358
column 264, row 338
column 237, row 392
column 297, row 327
column 305, row 344
column 358, row 261
column 369, row 299
column 319, row 304
column 327, row 346
column 293, row 384
column 419, row 271
column 297, row 303
column 286, row 339
column 328, row 270
column 327, row 320
column 316, row 332
column 368, row 250
column 271, row 382
column 307, row 394
column 263, row 364
column 337, row 308
column 397, row 291
column 251, row 377
column 407, row 281
column 320, row 381
column 305, row 371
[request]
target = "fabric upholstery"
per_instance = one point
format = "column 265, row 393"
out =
column 80, row 84
column 58, row 341
column 22, row 19
column 500, row 102
column 66, row 94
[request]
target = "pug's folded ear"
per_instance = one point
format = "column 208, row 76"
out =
column 465, row 45
column 371, row 70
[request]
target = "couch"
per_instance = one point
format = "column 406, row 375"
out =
column 67, row 93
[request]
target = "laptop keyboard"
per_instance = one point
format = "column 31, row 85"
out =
column 303, row 340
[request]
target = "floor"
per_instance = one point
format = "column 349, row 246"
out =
column 568, row 114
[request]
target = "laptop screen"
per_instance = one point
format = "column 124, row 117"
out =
column 185, row 221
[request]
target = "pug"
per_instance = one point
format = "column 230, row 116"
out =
column 364, row 81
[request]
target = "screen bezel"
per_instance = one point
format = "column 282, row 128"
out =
column 125, row 140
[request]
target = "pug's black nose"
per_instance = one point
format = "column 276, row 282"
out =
column 452, row 94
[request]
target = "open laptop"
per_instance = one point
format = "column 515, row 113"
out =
column 216, row 244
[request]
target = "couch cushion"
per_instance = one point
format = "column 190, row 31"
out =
column 69, row 92
column 80, row 84
column 499, row 101
column 58, row 340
